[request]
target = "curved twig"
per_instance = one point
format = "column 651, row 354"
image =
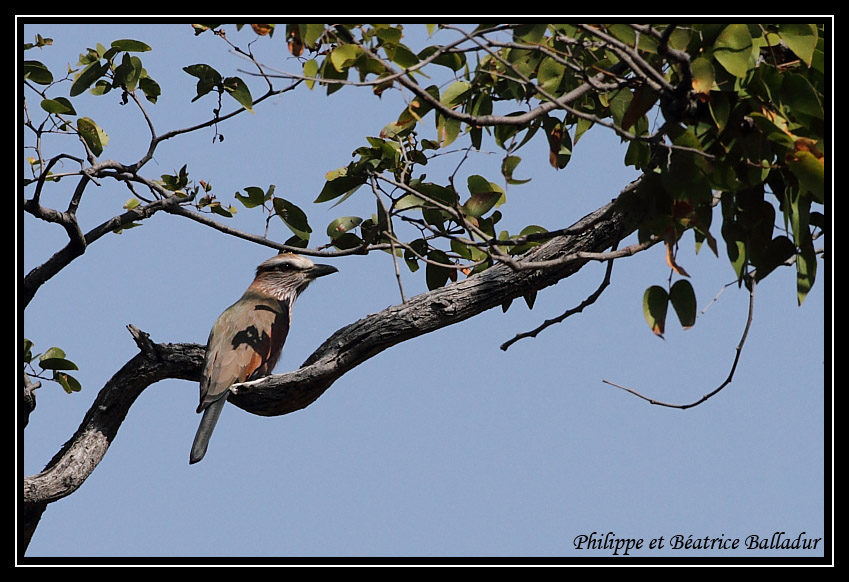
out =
column 569, row 312
column 738, row 351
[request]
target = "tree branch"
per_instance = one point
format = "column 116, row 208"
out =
column 425, row 313
column 569, row 312
column 340, row 353
column 77, row 245
column 78, row 457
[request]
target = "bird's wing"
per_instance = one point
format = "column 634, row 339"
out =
column 244, row 343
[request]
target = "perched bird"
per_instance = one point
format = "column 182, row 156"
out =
column 246, row 340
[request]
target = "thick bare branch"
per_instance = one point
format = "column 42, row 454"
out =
column 425, row 313
column 341, row 352
column 78, row 457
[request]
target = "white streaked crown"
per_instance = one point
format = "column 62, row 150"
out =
column 298, row 262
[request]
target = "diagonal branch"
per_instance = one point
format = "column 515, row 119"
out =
column 340, row 353
column 78, row 457
column 425, row 313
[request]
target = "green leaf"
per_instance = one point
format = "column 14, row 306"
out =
column 347, row 241
column 54, row 359
column 802, row 98
column 800, row 38
column 419, row 246
column 461, row 249
column 94, row 137
column 27, row 351
column 255, row 197
column 507, row 166
column 327, row 71
column 799, row 210
column 150, row 88
column 806, row 270
column 439, row 193
column 772, row 255
column 203, row 71
column 447, row 130
column 530, row 33
column 54, row 352
column 401, row 55
column 733, row 234
column 310, row 70
column 733, row 49
column 454, row 61
column 342, row 225
column 239, row 91
column 683, row 300
column 101, row 87
column 455, row 93
column 69, row 383
column 703, row 75
column 550, row 74
column 129, row 45
column 484, row 195
column 87, row 77
column 174, row 182
column 40, row 41
column 437, row 276
column 655, row 304
column 680, row 38
column 36, row 72
column 58, row 105
column 216, row 208
column 311, row 33
column 296, row 241
column 292, row 216
column 339, row 186
column 128, row 72
column 530, row 229
column 344, row 56
column 411, row 114
column 208, row 79
column 481, row 203
column 810, row 171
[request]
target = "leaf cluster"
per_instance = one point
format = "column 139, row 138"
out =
column 711, row 114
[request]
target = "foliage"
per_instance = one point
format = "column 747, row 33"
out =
column 713, row 114
column 53, row 359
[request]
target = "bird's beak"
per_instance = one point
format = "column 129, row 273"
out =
column 319, row 270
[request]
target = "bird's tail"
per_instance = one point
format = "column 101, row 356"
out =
column 207, row 425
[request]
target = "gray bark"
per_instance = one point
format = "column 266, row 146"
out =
column 341, row 352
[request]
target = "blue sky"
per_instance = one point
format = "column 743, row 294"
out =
column 444, row 446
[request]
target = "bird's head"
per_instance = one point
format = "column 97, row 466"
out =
column 286, row 275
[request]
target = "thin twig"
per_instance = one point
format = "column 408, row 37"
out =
column 569, row 312
column 391, row 231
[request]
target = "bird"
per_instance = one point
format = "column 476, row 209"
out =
column 246, row 340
